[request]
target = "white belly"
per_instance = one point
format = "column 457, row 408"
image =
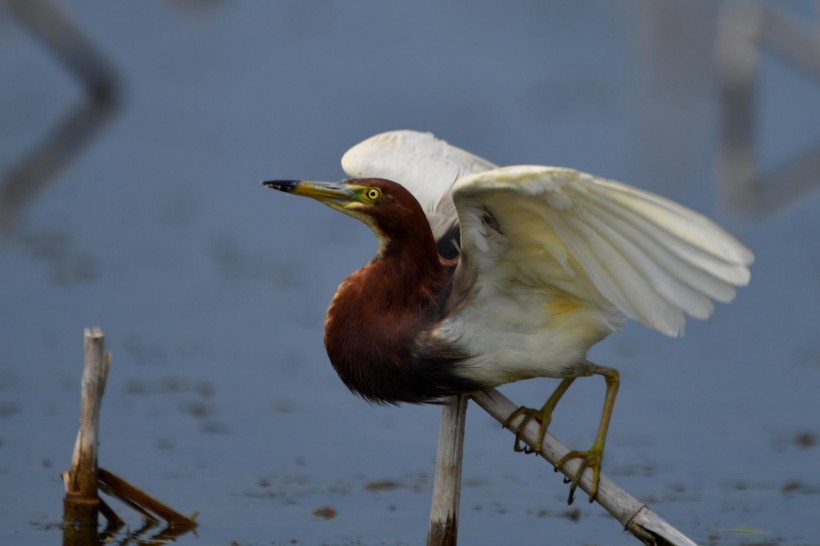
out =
column 533, row 335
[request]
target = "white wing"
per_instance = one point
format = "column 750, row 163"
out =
column 597, row 241
column 422, row 163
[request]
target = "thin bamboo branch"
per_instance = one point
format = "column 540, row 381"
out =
column 115, row 522
column 443, row 530
column 635, row 516
column 141, row 501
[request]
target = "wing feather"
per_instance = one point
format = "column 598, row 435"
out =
column 697, row 280
column 680, row 221
column 683, row 226
column 600, row 241
column 648, row 286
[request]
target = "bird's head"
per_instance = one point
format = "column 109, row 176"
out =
column 388, row 208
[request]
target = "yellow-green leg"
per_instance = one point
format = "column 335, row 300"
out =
column 543, row 416
column 592, row 458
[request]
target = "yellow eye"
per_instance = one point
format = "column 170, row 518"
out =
column 373, row 194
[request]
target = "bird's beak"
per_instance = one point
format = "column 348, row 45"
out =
column 329, row 193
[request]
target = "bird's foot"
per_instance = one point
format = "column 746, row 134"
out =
column 529, row 414
column 589, row 459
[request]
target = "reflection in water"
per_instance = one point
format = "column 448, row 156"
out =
column 35, row 170
column 150, row 533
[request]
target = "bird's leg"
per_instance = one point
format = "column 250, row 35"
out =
column 592, row 458
column 543, row 416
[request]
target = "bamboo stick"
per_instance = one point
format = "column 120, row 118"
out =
column 443, row 529
column 81, row 503
column 635, row 516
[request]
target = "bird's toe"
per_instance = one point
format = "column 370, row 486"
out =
column 527, row 414
column 589, row 459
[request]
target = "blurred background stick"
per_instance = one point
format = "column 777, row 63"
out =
column 69, row 45
column 34, row 171
column 635, row 516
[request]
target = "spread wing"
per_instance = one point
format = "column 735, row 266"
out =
column 422, row 163
column 596, row 240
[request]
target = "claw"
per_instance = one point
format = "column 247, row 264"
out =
column 589, row 459
column 529, row 414
column 543, row 416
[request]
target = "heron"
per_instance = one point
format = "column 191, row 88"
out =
column 487, row 275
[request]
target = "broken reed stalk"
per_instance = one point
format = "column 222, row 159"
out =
column 81, row 503
column 443, row 530
column 635, row 516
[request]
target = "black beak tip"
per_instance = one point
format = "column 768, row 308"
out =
column 281, row 185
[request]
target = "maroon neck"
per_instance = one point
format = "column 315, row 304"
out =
column 378, row 312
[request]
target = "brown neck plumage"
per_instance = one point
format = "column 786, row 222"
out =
column 378, row 312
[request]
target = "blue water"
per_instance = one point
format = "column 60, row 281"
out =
column 212, row 290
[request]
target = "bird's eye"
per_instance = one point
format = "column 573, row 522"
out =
column 373, row 194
